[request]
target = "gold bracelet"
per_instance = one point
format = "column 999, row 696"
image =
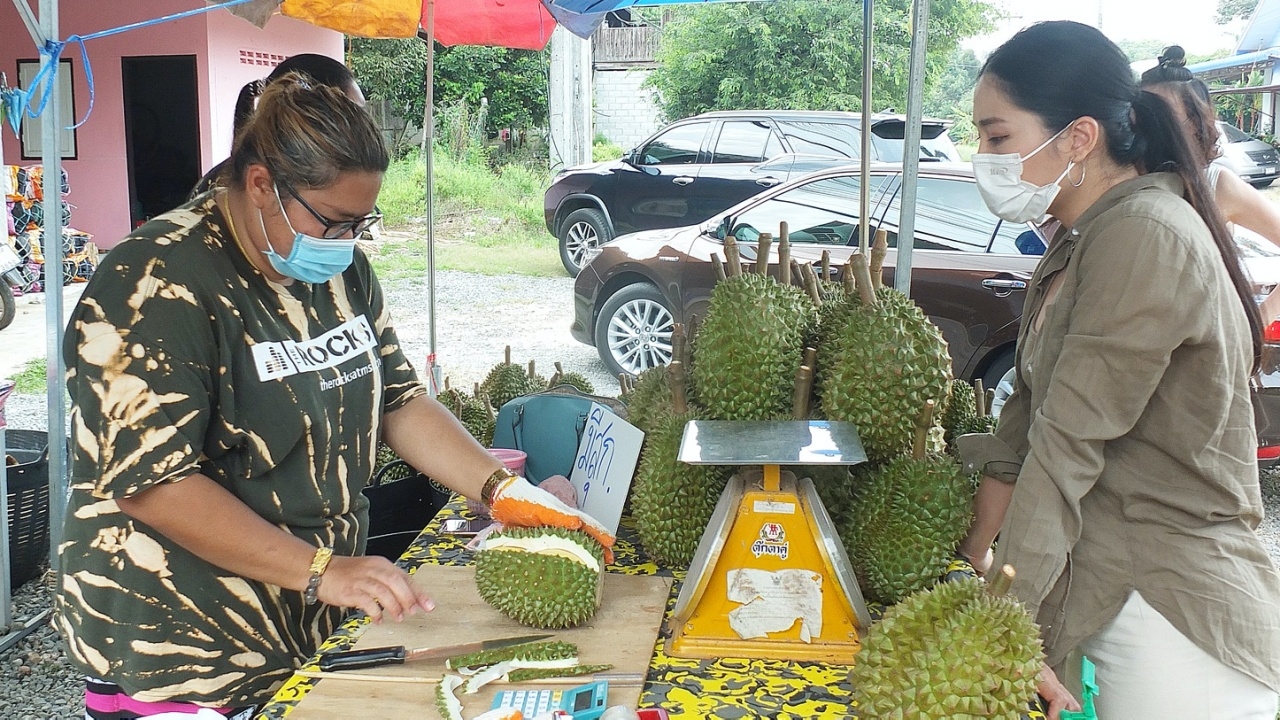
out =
column 319, row 563
column 491, row 485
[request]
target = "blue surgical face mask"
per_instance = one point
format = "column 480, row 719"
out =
column 312, row 259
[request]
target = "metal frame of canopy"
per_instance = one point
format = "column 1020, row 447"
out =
column 45, row 27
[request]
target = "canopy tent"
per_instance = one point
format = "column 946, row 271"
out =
column 509, row 23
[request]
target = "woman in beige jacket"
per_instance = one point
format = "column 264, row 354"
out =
column 1122, row 477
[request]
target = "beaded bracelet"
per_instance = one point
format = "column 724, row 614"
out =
column 319, row 564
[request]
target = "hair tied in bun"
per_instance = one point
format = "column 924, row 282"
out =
column 1173, row 57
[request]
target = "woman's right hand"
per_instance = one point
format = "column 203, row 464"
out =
column 1055, row 693
column 372, row 584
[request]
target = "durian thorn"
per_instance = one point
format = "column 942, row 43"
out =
column 718, row 264
column 508, row 355
column 980, row 399
column 999, row 587
column 763, row 245
column 796, row 273
column 732, row 256
column 679, row 399
column 879, row 249
column 921, row 447
column 784, row 253
column 862, row 272
column 826, row 265
column 803, row 391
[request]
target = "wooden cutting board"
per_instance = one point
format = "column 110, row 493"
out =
column 623, row 633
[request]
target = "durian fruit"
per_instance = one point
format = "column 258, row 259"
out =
column 880, row 362
column 751, row 343
column 958, row 650
column 906, row 519
column 577, row 380
column 506, row 382
column 384, row 457
column 544, row 577
column 966, row 411
column 671, row 501
column 473, row 411
column 835, row 485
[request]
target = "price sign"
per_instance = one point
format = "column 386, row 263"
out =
column 604, row 465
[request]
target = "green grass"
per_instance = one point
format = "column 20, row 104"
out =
column 604, row 150
column 487, row 221
column 30, row 380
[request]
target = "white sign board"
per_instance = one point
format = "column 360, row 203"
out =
column 604, row 465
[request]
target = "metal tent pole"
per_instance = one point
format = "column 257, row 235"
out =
column 864, row 191
column 51, row 135
column 911, row 147
column 429, row 141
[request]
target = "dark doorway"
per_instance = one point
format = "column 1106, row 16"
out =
column 162, row 131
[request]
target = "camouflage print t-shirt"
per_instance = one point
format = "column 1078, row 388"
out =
column 182, row 358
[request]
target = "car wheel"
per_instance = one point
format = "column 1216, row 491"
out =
column 633, row 332
column 1000, row 377
column 8, row 308
column 1262, row 183
column 584, row 229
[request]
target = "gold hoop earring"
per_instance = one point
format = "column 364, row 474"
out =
column 1083, row 170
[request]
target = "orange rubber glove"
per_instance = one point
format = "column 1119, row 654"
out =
column 517, row 502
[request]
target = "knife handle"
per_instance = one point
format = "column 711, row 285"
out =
column 357, row 659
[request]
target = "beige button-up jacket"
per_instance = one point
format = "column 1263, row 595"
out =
column 1130, row 436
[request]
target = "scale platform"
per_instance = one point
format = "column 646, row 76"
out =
column 770, row 578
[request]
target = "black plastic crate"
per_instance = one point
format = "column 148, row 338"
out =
column 28, row 483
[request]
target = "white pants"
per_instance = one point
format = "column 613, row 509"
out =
column 1148, row 669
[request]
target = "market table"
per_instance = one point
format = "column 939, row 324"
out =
column 687, row 689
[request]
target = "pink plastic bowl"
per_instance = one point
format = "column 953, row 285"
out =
column 513, row 459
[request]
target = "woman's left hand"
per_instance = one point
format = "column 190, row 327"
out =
column 1055, row 693
column 518, row 502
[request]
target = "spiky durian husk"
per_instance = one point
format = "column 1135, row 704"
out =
column 651, row 400
column 960, row 410
column 835, row 487
column 577, row 380
column 552, row 650
column 672, row 501
column 447, row 703
column 951, row 652
column 881, row 365
column 521, row 675
column 748, row 350
column 539, row 589
column 478, row 421
column 904, row 524
column 506, row 382
column 384, row 457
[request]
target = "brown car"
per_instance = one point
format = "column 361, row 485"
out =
column 969, row 271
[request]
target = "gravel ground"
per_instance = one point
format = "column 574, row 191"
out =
column 477, row 316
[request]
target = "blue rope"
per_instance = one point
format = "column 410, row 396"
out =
column 18, row 101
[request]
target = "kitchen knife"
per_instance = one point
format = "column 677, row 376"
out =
column 398, row 655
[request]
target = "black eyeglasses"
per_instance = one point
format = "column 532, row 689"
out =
column 334, row 229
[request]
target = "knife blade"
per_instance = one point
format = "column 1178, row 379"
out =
column 398, row 654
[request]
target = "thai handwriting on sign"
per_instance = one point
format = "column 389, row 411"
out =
column 597, row 455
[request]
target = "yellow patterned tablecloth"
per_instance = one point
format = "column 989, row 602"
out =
column 687, row 689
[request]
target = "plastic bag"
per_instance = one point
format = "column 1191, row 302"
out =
column 363, row 18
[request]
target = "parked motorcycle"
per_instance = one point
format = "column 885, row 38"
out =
column 10, row 280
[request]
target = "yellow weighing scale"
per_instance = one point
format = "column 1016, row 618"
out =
column 770, row 578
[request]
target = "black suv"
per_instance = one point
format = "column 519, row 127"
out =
column 699, row 166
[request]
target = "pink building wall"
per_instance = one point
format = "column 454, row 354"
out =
column 99, row 175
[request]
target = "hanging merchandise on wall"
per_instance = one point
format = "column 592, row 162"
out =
column 24, row 200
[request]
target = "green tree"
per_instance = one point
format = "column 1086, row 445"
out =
column 513, row 81
column 951, row 96
column 799, row 53
column 1138, row 50
column 1230, row 10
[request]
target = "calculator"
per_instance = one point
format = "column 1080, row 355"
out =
column 585, row 702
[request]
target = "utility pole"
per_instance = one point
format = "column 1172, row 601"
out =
column 570, row 99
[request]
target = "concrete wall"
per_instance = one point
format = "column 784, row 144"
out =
column 624, row 112
column 99, row 176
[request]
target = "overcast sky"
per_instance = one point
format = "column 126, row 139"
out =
column 1189, row 23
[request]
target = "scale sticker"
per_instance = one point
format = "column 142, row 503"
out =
column 773, row 541
column 777, row 508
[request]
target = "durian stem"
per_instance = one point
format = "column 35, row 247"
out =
column 732, row 256
column 921, row 447
column 826, row 265
column 991, row 399
column 850, row 285
column 999, row 587
column 878, row 250
column 811, row 357
column 623, row 387
column 763, row 246
column 811, row 285
column 689, row 335
column 980, row 399
column 531, row 371
column 784, row 253
column 718, row 264
column 679, row 399
column 866, row 288
column 508, row 355
column 678, row 342
column 446, row 383
column 804, row 389
column 555, row 379
column 796, row 273
column 488, row 406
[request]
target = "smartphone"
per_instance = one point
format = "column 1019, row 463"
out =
column 462, row 526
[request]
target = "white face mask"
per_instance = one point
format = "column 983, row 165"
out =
column 1007, row 195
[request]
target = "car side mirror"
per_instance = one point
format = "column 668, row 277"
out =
column 632, row 156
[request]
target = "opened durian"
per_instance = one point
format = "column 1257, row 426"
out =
column 543, row 577
column 879, row 363
column 751, row 343
column 906, row 518
column 955, row 651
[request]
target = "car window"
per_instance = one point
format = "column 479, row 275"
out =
column 1017, row 239
column 742, row 141
column 950, row 215
column 773, row 148
column 822, row 138
column 822, row 212
column 677, row 146
column 1233, row 133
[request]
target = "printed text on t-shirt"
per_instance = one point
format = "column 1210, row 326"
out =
column 282, row 359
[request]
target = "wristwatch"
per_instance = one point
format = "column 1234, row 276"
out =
column 319, row 564
column 491, row 485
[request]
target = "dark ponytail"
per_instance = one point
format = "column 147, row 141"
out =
column 1062, row 71
column 244, row 105
column 320, row 69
